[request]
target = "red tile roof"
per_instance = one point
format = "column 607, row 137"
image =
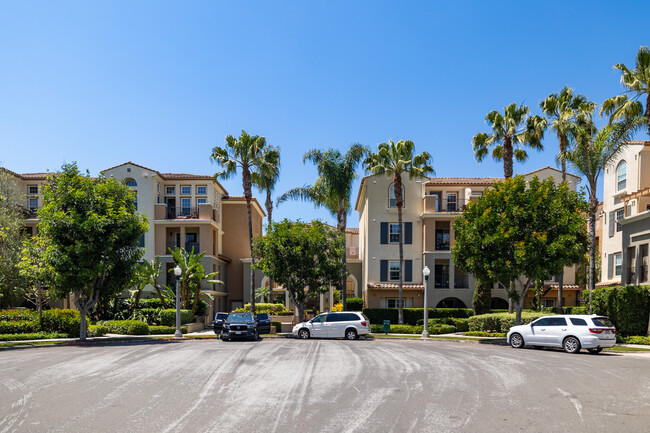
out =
column 487, row 181
column 391, row 286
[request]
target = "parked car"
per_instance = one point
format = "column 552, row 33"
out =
column 219, row 318
column 239, row 325
column 571, row 332
column 346, row 324
column 263, row 323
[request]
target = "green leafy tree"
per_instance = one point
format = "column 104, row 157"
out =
column 565, row 110
column 93, row 232
column 395, row 159
column 628, row 105
column 511, row 132
column 332, row 190
column 303, row 258
column 36, row 271
column 594, row 151
column 11, row 237
column 520, row 232
column 192, row 275
column 149, row 273
column 247, row 154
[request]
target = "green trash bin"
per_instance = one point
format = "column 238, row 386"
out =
column 386, row 326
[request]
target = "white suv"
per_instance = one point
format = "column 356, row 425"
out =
column 345, row 324
column 571, row 332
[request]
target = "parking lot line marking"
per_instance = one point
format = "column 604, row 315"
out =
column 575, row 402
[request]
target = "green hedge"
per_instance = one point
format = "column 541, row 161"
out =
column 278, row 326
column 168, row 317
column 461, row 325
column 18, row 327
column 500, row 322
column 354, row 304
column 626, row 306
column 22, row 314
column 634, row 339
column 264, row 307
column 67, row 321
column 158, row 330
column 32, row 336
column 97, row 330
column 412, row 315
column 485, row 334
column 126, row 327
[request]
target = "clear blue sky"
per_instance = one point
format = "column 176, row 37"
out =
column 160, row 83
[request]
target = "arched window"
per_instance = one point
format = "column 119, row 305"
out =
column 621, row 176
column 131, row 183
column 391, row 196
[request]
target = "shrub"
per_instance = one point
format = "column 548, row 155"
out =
column 155, row 303
column 336, row 307
column 97, row 330
column 354, row 304
column 412, row 315
column 23, row 314
column 18, row 327
column 32, row 336
column 575, row 310
column 149, row 315
column 263, row 307
column 168, row 317
column 158, row 330
column 66, row 321
column 278, row 326
column 626, row 306
column 442, row 329
column 500, row 322
column 485, row 334
column 635, row 339
column 401, row 329
column 126, row 327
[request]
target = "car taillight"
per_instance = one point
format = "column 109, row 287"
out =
column 595, row 330
column 363, row 323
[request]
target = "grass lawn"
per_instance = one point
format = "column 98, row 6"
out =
column 626, row 349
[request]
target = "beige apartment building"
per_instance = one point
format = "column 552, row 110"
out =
column 430, row 209
column 190, row 211
column 625, row 237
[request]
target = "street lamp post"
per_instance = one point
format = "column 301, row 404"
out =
column 426, row 271
column 178, row 333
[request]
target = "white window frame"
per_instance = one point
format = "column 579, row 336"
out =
column 135, row 184
column 453, row 195
column 618, row 264
column 546, row 303
column 621, row 213
column 201, row 200
column 170, row 190
column 391, row 233
column 188, row 207
column 205, row 192
column 391, row 270
column 32, row 191
column 621, row 177
column 395, row 302
column 185, row 188
column 391, row 196
column 30, row 203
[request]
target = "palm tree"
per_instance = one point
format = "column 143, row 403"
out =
column 148, row 273
column 245, row 153
column 564, row 110
column 511, row 131
column 393, row 159
column 637, row 82
column 192, row 275
column 593, row 152
column 332, row 189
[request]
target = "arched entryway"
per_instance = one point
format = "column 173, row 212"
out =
column 451, row 303
column 498, row 304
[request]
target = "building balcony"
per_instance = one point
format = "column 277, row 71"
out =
column 188, row 246
column 203, row 211
column 181, row 213
column 434, row 205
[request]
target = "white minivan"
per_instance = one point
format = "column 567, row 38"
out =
column 345, row 324
column 571, row 332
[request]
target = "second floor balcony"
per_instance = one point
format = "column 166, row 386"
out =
column 181, row 213
column 434, row 204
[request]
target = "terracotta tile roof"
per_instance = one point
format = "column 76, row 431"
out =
column 181, row 176
column 26, row 176
column 391, row 286
column 352, row 230
column 644, row 142
column 608, row 284
column 463, row 181
column 565, row 287
column 234, row 197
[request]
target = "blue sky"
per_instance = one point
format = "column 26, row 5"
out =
column 161, row 83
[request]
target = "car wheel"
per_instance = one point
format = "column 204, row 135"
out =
column 225, row 338
column 303, row 334
column 595, row 350
column 351, row 334
column 517, row 341
column 571, row 345
column 256, row 336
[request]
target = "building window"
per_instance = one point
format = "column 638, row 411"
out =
column 620, row 214
column 618, row 265
column 393, row 233
column 33, row 203
column 392, row 202
column 32, row 189
column 452, row 202
column 186, row 203
column 132, row 183
column 170, row 190
column 643, row 263
column 201, row 190
column 441, row 274
column 547, row 303
column 621, row 175
column 201, row 201
column 158, row 185
column 442, row 236
column 394, row 302
column 393, row 271
column 186, row 190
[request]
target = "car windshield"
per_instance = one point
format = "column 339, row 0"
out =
column 241, row 317
column 221, row 316
column 263, row 316
column 602, row 321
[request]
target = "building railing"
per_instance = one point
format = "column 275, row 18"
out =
column 188, row 246
column 432, row 204
column 30, row 213
column 181, row 212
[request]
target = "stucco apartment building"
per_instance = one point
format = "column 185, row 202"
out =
column 625, row 237
column 430, row 208
column 189, row 211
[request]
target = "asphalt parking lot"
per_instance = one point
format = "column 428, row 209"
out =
column 280, row 385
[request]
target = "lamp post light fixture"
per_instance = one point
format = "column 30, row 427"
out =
column 177, row 273
column 425, row 333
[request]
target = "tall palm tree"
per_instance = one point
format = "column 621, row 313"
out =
column 593, row 152
column 246, row 154
column 637, row 82
column 511, row 132
column 393, row 159
column 564, row 110
column 332, row 189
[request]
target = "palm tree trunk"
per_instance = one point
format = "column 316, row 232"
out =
column 160, row 295
column 647, row 112
column 507, row 157
column 248, row 185
column 592, row 248
column 269, row 211
column 341, row 225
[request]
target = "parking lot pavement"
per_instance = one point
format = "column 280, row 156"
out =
column 279, row 385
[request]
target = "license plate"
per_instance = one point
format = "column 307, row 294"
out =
column 237, row 332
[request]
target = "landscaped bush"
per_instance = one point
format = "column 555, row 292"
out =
column 97, row 330
column 168, row 317
column 278, row 326
column 126, row 327
column 412, row 315
column 460, row 324
column 354, row 304
column 441, row 329
column 155, row 303
column 262, row 307
column 626, row 306
column 575, row 310
column 485, row 334
column 32, row 336
column 66, row 321
column 634, row 339
column 18, row 327
column 158, row 330
column 22, row 314
column 500, row 322
column 149, row 315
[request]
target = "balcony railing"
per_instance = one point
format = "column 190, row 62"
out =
column 442, row 246
column 188, row 246
column 30, row 213
column 433, row 204
column 182, row 213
